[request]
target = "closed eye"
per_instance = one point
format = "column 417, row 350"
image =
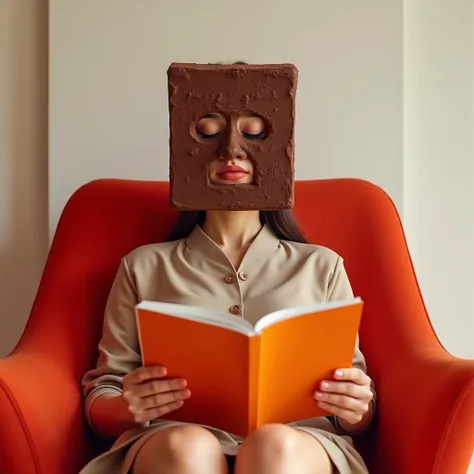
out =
column 210, row 126
column 254, row 136
column 207, row 136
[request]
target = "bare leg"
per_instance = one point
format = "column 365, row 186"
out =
column 181, row 450
column 279, row 449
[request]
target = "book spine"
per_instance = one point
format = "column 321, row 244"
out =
column 254, row 370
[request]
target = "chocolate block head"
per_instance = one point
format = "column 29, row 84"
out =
column 235, row 116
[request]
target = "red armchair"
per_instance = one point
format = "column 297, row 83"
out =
column 425, row 422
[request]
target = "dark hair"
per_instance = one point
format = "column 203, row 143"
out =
column 281, row 223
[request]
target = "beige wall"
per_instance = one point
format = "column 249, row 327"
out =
column 23, row 160
column 439, row 161
column 108, row 91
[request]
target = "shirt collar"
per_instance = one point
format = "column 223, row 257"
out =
column 263, row 246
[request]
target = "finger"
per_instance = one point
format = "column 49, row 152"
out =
column 155, row 401
column 342, row 401
column 353, row 374
column 143, row 416
column 347, row 388
column 158, row 386
column 350, row 416
column 143, row 374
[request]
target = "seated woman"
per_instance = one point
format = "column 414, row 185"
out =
column 250, row 262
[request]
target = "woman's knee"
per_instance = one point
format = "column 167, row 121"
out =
column 178, row 449
column 189, row 441
column 273, row 440
column 278, row 448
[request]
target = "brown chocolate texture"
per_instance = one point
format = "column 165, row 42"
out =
column 268, row 91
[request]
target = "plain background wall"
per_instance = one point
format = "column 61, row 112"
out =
column 108, row 103
column 439, row 161
column 23, row 160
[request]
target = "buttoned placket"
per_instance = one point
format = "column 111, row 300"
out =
column 235, row 279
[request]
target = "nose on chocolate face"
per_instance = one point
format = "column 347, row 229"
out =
column 232, row 145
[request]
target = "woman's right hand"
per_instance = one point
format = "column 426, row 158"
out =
column 150, row 396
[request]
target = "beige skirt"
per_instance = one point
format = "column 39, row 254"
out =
column 121, row 456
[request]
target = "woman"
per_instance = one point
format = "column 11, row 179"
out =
column 252, row 263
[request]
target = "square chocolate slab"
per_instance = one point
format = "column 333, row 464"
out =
column 201, row 90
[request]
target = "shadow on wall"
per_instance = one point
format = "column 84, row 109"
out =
column 23, row 167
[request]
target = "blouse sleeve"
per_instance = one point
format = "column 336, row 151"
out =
column 119, row 352
column 339, row 288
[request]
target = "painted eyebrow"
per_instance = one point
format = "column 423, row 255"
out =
column 212, row 116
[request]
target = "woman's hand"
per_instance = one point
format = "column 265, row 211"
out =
column 348, row 397
column 150, row 396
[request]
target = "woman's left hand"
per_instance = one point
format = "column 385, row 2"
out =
column 348, row 397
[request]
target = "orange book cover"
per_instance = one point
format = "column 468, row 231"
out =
column 243, row 376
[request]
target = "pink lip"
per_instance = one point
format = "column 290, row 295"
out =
column 232, row 169
column 232, row 173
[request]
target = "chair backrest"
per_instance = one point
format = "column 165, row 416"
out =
column 106, row 219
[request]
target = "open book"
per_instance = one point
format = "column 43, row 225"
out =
column 243, row 376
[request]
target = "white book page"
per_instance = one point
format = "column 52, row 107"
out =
column 280, row 315
column 197, row 313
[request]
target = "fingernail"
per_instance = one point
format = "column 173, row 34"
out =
column 319, row 395
column 186, row 393
column 160, row 371
column 339, row 373
column 182, row 383
column 324, row 385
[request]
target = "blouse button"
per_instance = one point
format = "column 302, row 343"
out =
column 243, row 276
column 229, row 279
column 235, row 309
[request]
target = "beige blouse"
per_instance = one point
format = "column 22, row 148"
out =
column 274, row 274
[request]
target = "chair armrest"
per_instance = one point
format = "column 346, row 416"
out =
column 41, row 429
column 426, row 415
